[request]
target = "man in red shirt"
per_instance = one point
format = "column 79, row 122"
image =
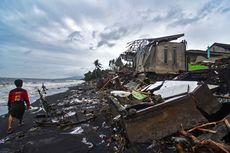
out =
column 16, row 104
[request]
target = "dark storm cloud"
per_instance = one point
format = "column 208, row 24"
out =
column 111, row 34
column 75, row 36
column 104, row 42
column 116, row 32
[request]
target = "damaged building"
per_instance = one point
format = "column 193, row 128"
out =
column 221, row 48
column 159, row 55
column 217, row 51
column 163, row 108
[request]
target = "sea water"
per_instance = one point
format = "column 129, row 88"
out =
column 32, row 86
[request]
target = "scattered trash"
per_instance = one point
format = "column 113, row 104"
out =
column 3, row 140
column 77, row 130
column 104, row 125
column 120, row 93
column 84, row 140
column 102, row 136
column 95, row 128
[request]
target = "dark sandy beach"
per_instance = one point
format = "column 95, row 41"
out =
column 91, row 136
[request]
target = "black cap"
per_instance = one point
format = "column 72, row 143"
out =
column 18, row 83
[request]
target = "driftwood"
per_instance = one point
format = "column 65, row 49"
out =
column 201, row 127
column 207, row 145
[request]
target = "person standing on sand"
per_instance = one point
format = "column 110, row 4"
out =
column 16, row 104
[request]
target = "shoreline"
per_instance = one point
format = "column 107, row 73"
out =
column 32, row 138
column 32, row 85
column 37, row 100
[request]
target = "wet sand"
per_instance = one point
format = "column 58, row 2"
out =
column 92, row 136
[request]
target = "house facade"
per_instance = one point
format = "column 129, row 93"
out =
column 158, row 55
column 220, row 47
column 217, row 50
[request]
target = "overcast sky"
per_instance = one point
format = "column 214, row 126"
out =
column 62, row 38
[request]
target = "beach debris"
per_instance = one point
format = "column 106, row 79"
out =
column 35, row 110
column 55, row 120
column 33, row 129
column 77, row 122
column 120, row 93
column 95, row 128
column 46, row 123
column 12, row 137
column 90, row 144
column 77, row 130
column 207, row 144
column 104, row 125
column 40, row 116
column 45, row 106
column 61, row 123
column 69, row 114
column 102, row 136
column 4, row 140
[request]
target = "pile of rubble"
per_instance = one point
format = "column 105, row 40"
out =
column 169, row 116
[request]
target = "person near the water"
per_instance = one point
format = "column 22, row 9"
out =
column 17, row 99
column 44, row 89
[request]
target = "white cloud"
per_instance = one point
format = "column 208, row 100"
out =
column 71, row 24
column 38, row 11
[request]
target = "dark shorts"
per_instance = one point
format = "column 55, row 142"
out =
column 17, row 110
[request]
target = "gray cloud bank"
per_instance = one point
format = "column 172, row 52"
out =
column 58, row 38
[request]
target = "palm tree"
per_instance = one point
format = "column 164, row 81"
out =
column 97, row 64
column 97, row 69
column 112, row 64
column 119, row 63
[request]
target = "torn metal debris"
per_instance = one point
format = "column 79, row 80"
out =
column 183, row 105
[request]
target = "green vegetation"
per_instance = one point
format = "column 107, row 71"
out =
column 116, row 64
column 96, row 73
column 193, row 67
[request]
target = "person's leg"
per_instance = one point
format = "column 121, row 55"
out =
column 10, row 122
column 21, row 113
column 21, row 122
